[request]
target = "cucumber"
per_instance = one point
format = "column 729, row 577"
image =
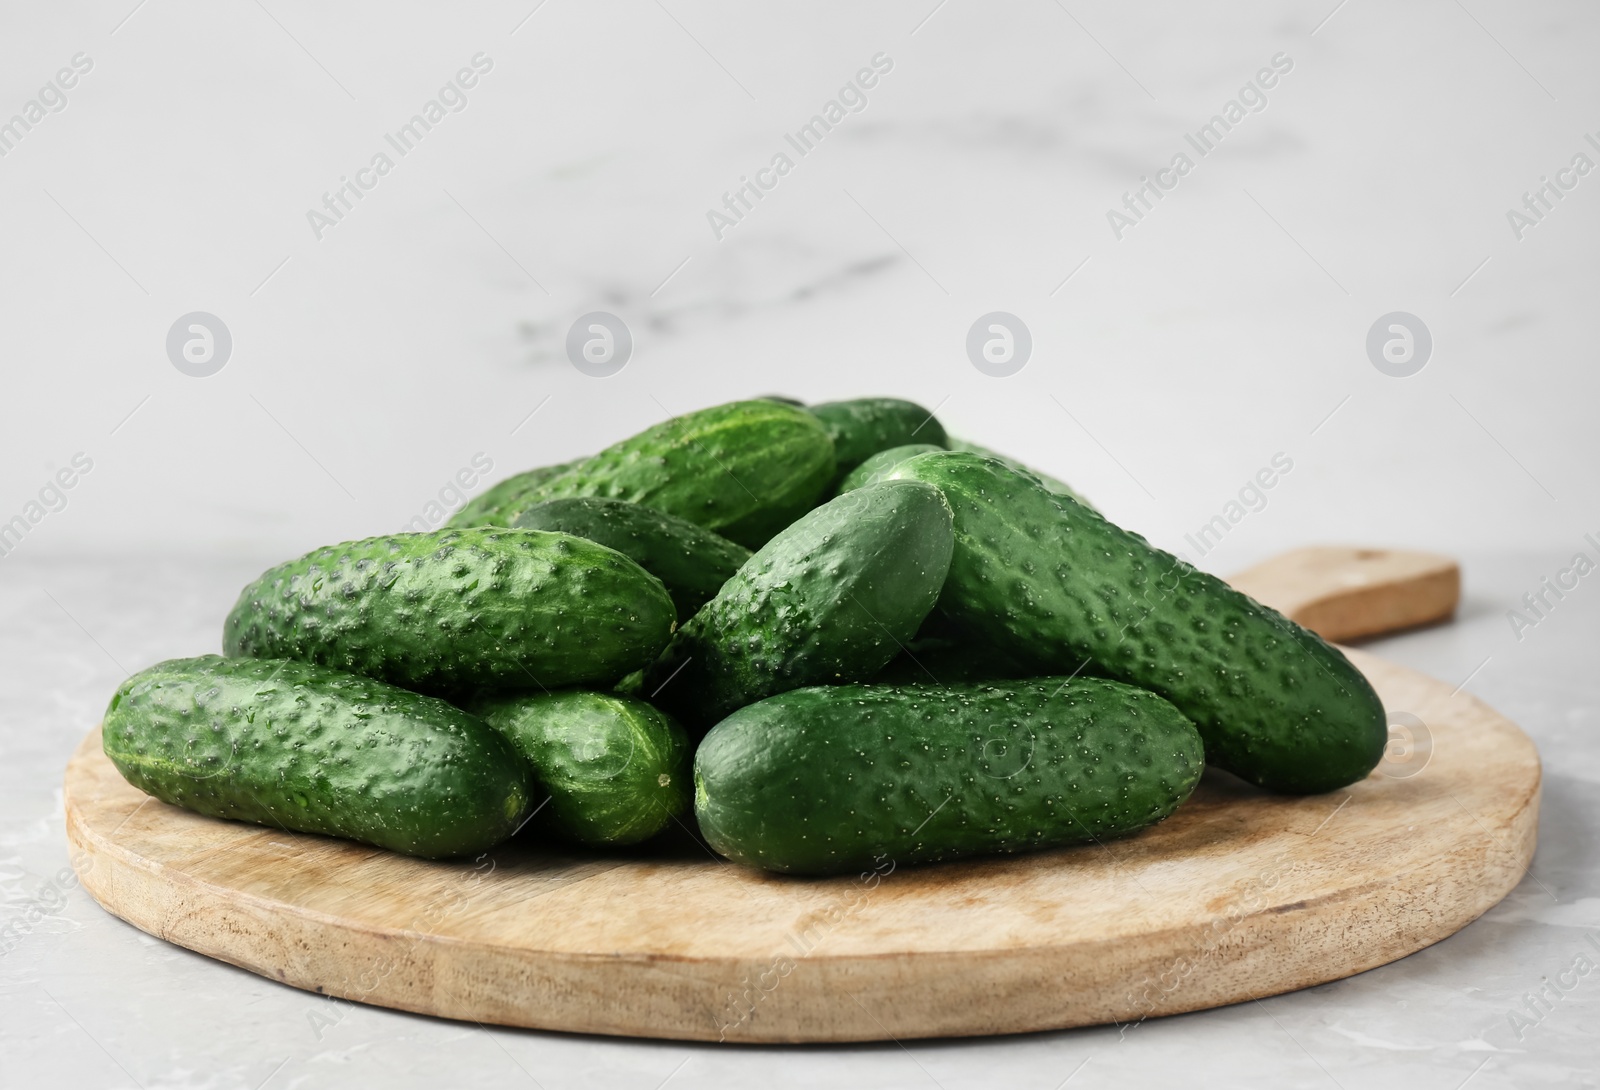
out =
column 477, row 609
column 879, row 465
column 1053, row 484
column 498, row 504
column 864, row 426
column 1048, row 581
column 744, row 470
column 840, row 779
column 614, row 771
column 313, row 750
column 831, row 599
column 691, row 562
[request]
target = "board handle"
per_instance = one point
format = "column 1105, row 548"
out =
column 1344, row 593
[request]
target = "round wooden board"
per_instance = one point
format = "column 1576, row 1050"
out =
column 1239, row 895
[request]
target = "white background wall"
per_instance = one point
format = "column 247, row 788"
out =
column 373, row 364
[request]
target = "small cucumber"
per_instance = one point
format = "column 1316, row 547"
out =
column 1044, row 579
column 881, row 464
column 744, row 470
column 614, row 771
column 843, row 778
column 831, row 599
column 479, row 609
column 866, row 425
column 1053, row 484
column 313, row 750
column 498, row 504
column 691, row 562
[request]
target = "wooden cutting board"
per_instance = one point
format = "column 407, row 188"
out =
column 1239, row 895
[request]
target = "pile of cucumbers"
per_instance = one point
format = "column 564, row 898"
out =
column 833, row 634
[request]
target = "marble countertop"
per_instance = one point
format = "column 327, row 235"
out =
column 90, row 1001
column 390, row 326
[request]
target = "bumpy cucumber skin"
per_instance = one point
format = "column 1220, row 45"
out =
column 744, row 470
column 692, row 562
column 498, row 504
column 450, row 611
column 862, row 427
column 305, row 748
column 879, row 465
column 844, row 778
column 1053, row 484
column 829, row 600
column 615, row 771
column 1050, row 582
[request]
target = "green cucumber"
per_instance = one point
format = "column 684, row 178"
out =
column 314, row 750
column 614, row 771
column 498, row 504
column 1053, row 484
column 1048, row 581
column 691, row 562
column 866, row 425
column 831, row 599
column 841, row 779
column 477, row 609
column 744, row 470
column 881, row 464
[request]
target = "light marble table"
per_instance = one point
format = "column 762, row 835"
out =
column 90, row 1001
column 1173, row 360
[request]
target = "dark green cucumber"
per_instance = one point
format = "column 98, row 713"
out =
column 314, row 750
column 613, row 770
column 1048, row 581
column 497, row 505
column 744, row 470
column 1053, row 484
column 476, row 609
column 831, row 599
column 690, row 561
column 862, row 427
column 845, row 778
column 879, row 465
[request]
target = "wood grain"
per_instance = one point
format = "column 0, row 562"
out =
column 1343, row 593
column 1239, row 895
